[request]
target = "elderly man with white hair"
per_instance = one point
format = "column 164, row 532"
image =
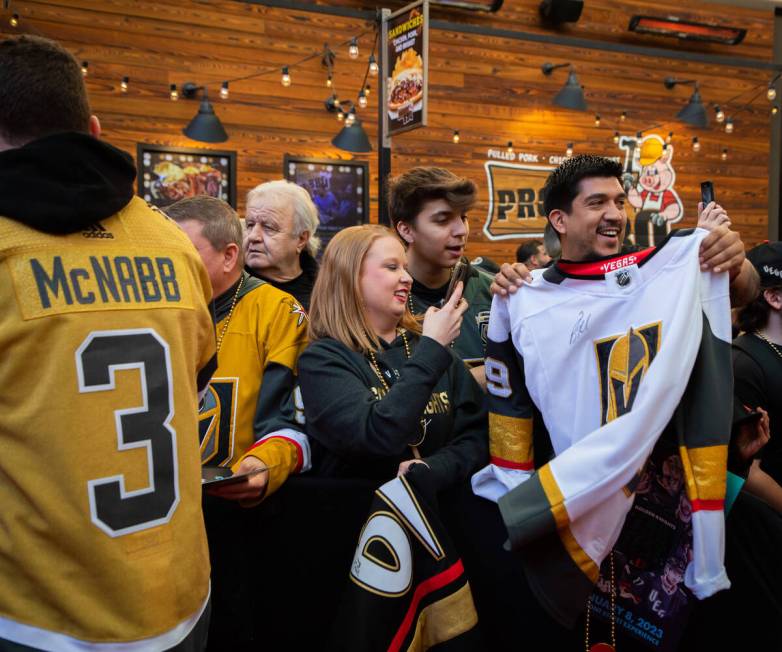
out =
column 279, row 242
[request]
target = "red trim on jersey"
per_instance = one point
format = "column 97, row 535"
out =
column 299, row 452
column 529, row 465
column 707, row 505
column 602, row 267
column 421, row 591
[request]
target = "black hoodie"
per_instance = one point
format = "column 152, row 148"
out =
column 65, row 182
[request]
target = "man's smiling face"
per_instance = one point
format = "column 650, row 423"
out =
column 595, row 225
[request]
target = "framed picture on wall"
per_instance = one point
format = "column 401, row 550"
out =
column 168, row 174
column 338, row 188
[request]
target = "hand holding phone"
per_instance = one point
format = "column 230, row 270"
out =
column 461, row 272
column 707, row 193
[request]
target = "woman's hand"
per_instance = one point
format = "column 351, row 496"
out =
column 443, row 324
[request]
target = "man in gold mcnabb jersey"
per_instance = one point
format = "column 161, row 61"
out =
column 106, row 339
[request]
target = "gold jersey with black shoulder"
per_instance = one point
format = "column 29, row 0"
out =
column 103, row 333
column 252, row 392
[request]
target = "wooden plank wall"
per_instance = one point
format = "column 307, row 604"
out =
column 489, row 88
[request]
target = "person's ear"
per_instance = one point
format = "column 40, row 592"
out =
column 303, row 239
column 558, row 221
column 773, row 298
column 405, row 232
column 230, row 257
column 94, row 126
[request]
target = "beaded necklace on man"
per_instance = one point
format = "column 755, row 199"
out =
column 230, row 313
column 373, row 364
column 774, row 347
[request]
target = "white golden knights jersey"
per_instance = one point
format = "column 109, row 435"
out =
column 106, row 334
column 250, row 407
column 612, row 353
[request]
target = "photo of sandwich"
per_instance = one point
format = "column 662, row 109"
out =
column 406, row 84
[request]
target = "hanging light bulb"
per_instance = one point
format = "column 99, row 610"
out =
column 696, row 144
column 350, row 118
column 724, row 155
column 362, row 100
column 329, row 81
column 623, row 117
column 729, row 126
column 285, row 80
column 373, row 67
column 456, row 136
column 719, row 114
column 669, row 138
column 173, row 94
column 597, row 120
column 335, row 99
column 774, row 110
column 224, row 90
column 340, row 115
column 123, row 85
column 771, row 93
column 367, row 90
column 569, row 150
column 14, row 20
column 616, row 138
column 510, row 147
column 84, row 66
column 353, row 49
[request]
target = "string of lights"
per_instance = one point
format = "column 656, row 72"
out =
column 346, row 109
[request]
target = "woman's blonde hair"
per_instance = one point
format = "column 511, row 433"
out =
column 336, row 306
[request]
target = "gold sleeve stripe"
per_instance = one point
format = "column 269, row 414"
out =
column 510, row 441
column 557, row 505
column 705, row 470
column 443, row 620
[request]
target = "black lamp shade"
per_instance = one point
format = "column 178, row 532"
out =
column 572, row 95
column 206, row 127
column 352, row 139
column 694, row 113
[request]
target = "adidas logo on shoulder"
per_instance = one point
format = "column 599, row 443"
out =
column 97, row 230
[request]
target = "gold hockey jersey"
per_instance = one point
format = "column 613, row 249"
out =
column 250, row 407
column 103, row 332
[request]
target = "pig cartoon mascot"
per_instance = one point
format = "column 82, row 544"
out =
column 655, row 201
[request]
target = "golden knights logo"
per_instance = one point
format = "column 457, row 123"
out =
column 622, row 362
column 217, row 421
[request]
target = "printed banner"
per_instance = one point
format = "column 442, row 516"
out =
column 406, row 43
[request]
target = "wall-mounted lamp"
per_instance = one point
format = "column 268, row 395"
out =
column 571, row 95
column 205, row 127
column 694, row 113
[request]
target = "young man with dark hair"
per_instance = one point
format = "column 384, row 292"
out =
column 107, row 340
column 601, row 348
column 428, row 207
column 533, row 254
column 248, row 418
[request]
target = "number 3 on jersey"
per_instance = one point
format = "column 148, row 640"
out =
column 113, row 509
column 497, row 378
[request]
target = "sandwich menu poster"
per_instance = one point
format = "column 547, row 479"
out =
column 406, row 39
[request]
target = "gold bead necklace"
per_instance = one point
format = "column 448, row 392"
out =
column 774, row 347
column 376, row 368
column 230, row 313
column 603, row 647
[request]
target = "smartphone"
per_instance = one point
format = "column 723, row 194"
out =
column 461, row 272
column 218, row 476
column 707, row 192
